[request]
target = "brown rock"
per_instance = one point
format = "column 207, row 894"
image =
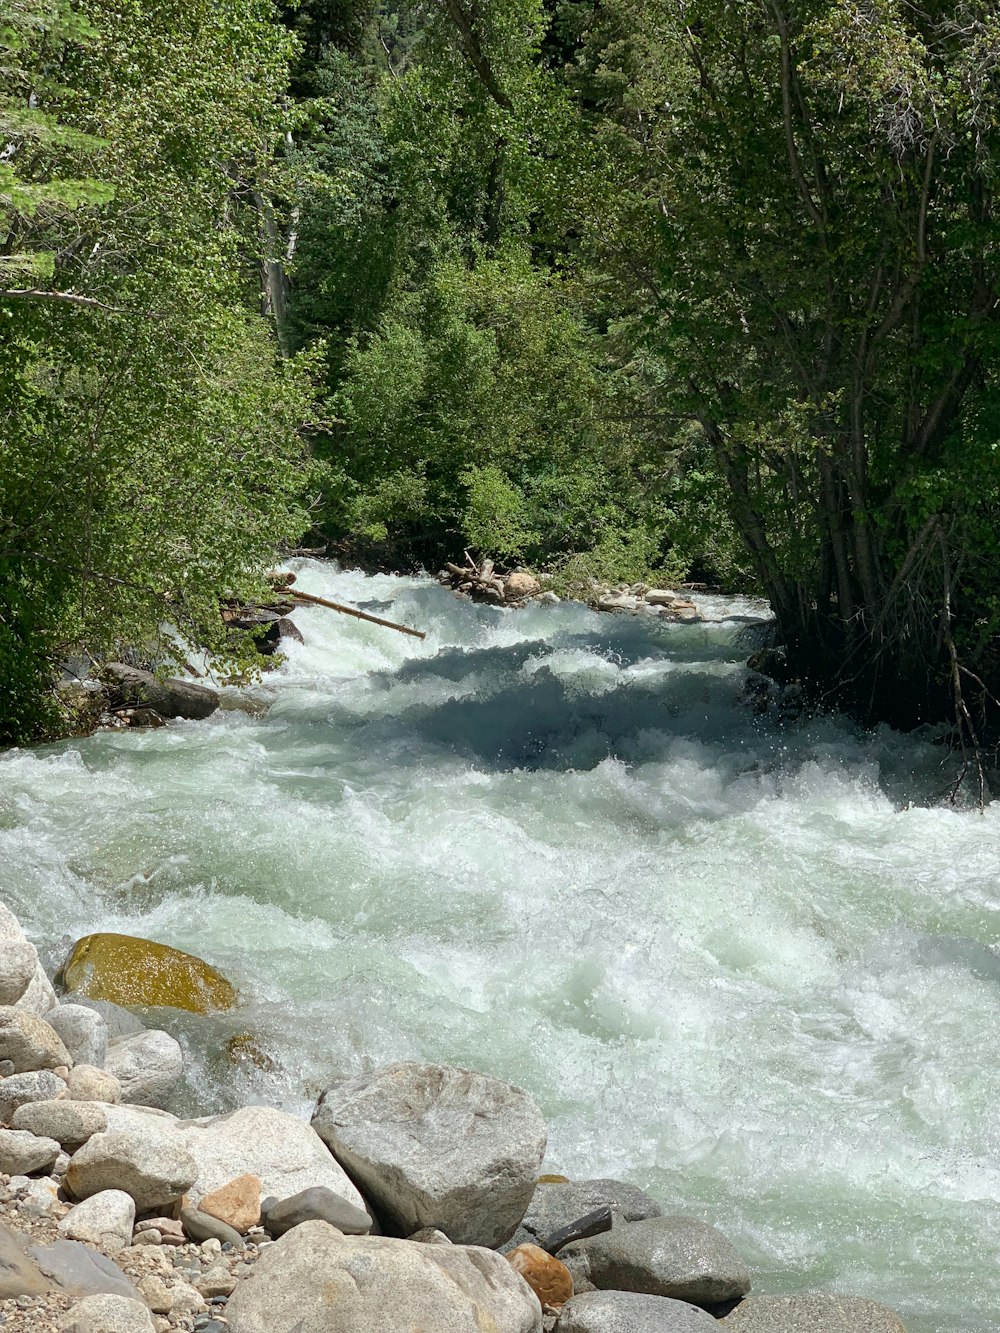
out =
column 237, row 1204
column 520, row 585
column 547, row 1276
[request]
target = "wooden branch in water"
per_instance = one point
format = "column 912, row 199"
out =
column 351, row 611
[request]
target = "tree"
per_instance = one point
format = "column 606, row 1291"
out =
column 803, row 233
column 151, row 455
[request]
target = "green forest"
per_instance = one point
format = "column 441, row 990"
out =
column 692, row 289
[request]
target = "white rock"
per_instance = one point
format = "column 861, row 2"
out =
column 22, row 1152
column 433, row 1146
column 104, row 1220
column 84, row 1033
column 29, row 1042
column 147, row 1065
column 38, row 1086
column 185, row 1299
column 662, row 597
column 18, row 960
column 89, row 1084
column 154, row 1170
column 107, row 1314
column 41, row 1198
column 69, row 1123
column 286, row 1154
column 39, row 998
column 155, row 1292
column 367, row 1284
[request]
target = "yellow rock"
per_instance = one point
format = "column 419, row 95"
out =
column 131, row 971
column 548, row 1277
column 554, row 1180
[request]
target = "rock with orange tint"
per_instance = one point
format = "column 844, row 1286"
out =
column 237, row 1203
column 547, row 1276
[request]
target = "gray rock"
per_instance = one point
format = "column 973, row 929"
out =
column 148, row 1066
column 39, row 998
column 22, row 1153
column 120, row 1022
column 202, row 1226
column 29, row 1042
column 317, row 1204
column 79, row 1270
column 433, row 1146
column 679, row 1257
column 39, row 1086
column 629, row 1312
column 6, row 1068
column 19, row 1276
column 811, row 1313
column 108, row 1314
column 84, row 1033
column 18, row 960
column 367, row 1284
column 89, row 1084
column 104, row 1220
column 69, row 1123
column 155, row 1171
column 429, row 1236
column 170, row 698
column 556, row 1204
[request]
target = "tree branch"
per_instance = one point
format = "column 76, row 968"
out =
column 474, row 53
column 38, row 294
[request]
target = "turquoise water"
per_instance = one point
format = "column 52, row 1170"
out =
column 745, row 962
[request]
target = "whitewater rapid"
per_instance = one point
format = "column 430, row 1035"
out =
column 745, row 961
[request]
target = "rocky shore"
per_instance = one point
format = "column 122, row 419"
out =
column 413, row 1202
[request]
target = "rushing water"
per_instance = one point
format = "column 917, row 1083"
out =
column 746, row 962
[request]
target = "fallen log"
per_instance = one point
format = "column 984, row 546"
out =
column 299, row 596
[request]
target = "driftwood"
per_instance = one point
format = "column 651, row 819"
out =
column 477, row 581
column 298, row 596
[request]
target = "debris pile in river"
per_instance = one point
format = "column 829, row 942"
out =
column 412, row 1198
column 483, row 583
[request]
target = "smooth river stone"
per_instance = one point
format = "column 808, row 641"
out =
column 434, row 1146
column 22, row 1152
column 154, row 1171
column 29, row 1042
column 318, row 1204
column 629, row 1312
column 69, row 1123
column 811, row 1313
column 680, row 1257
column 548, row 1277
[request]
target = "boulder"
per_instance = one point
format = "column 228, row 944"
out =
column 434, row 1146
column 811, row 1313
column 148, row 1066
column 662, row 597
column 129, row 687
column 154, row 1170
column 108, row 1314
column 18, row 960
column 557, row 1203
column 29, row 1042
column 104, row 1220
column 237, row 1203
column 69, row 1123
column 21, row 1152
column 121, row 1022
column 88, row 1084
column 19, row 1275
column 127, row 970
column 317, row 1279
column 548, row 1277
column 282, row 1151
column 679, row 1257
column 80, row 1271
column 317, row 1204
column 83, row 1031
column 39, row 998
column 39, row 1086
column 628, row 1312
column 520, row 585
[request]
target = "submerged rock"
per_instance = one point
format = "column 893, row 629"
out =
column 131, row 971
column 329, row 1283
column 433, row 1146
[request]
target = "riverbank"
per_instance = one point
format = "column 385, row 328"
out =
column 414, row 1194
column 565, row 848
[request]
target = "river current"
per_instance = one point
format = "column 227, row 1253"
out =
column 746, row 961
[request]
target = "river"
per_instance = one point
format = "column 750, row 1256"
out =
column 746, row 961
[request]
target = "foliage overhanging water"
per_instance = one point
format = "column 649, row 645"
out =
column 735, row 958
